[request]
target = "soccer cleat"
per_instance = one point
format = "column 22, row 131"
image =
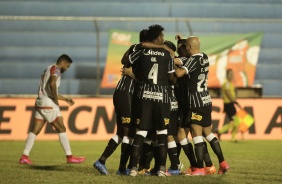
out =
column 163, row 174
column 75, row 160
column 125, row 172
column 210, row 170
column 199, row 172
column 189, row 170
column 25, row 160
column 173, row 172
column 133, row 172
column 145, row 172
column 223, row 167
column 100, row 167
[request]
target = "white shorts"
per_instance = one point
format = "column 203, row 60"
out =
column 46, row 109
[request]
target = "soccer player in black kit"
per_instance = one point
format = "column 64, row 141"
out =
column 200, row 105
column 155, row 70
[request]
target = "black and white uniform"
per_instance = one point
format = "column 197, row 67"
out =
column 154, row 92
column 200, row 103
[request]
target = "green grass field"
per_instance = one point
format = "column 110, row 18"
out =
column 250, row 161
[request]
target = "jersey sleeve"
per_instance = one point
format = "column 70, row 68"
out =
column 54, row 71
column 190, row 65
column 137, row 46
column 133, row 57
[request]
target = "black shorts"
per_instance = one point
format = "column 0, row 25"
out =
column 153, row 115
column 200, row 118
column 182, row 120
column 123, row 104
column 173, row 127
column 230, row 110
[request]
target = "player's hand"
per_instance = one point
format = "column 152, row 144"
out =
column 170, row 51
column 70, row 101
column 127, row 71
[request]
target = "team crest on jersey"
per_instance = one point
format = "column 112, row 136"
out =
column 166, row 121
column 125, row 120
column 196, row 116
column 204, row 61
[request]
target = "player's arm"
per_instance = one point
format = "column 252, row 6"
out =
column 53, row 87
column 180, row 72
column 178, row 62
column 153, row 45
column 128, row 72
column 68, row 100
column 125, row 58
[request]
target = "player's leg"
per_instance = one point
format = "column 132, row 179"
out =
column 215, row 145
column 209, row 167
column 110, row 148
column 161, row 121
column 37, row 127
column 172, row 147
column 196, row 131
column 136, row 148
column 58, row 124
column 125, row 151
column 186, row 145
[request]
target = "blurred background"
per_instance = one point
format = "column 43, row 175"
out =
column 33, row 33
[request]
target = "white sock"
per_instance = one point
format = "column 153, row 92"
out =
column 29, row 143
column 64, row 140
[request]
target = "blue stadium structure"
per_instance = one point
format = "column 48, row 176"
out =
column 28, row 46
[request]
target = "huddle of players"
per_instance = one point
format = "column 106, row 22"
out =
column 155, row 103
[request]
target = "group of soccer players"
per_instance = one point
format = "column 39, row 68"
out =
column 158, row 101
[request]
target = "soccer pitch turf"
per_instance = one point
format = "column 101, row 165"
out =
column 250, row 161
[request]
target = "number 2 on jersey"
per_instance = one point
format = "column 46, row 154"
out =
column 202, row 83
column 153, row 74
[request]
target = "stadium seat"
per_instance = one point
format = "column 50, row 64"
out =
column 35, row 44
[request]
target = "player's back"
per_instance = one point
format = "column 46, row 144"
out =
column 155, row 66
column 198, row 94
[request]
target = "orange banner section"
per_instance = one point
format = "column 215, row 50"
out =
column 94, row 119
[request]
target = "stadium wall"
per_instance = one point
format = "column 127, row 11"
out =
column 94, row 119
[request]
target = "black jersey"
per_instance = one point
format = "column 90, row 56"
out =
column 153, row 68
column 197, row 67
column 126, row 83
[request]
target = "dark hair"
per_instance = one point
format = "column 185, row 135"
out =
column 170, row 45
column 180, row 40
column 154, row 31
column 65, row 58
column 143, row 35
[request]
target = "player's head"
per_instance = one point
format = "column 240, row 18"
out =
column 143, row 35
column 170, row 45
column 155, row 34
column 181, row 47
column 229, row 74
column 64, row 62
column 193, row 45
